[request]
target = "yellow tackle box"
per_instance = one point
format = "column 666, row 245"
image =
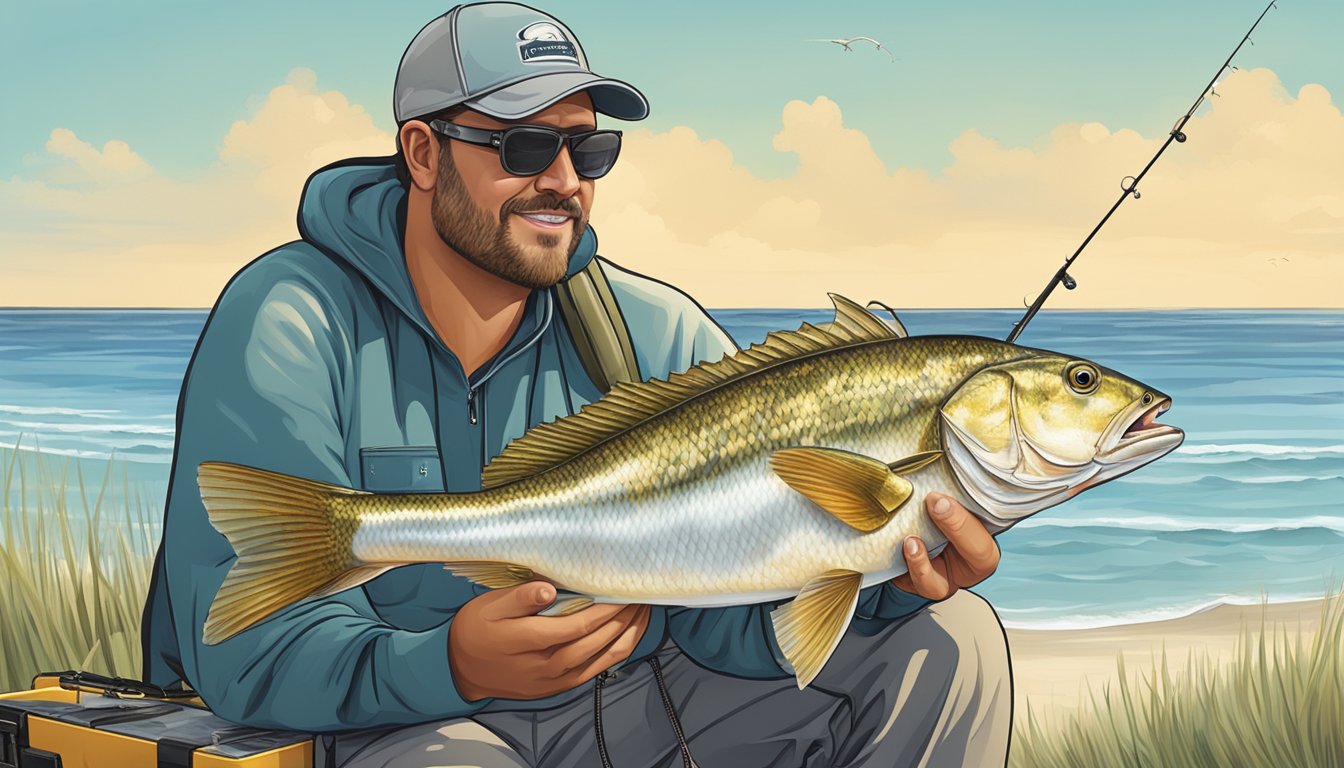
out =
column 79, row 720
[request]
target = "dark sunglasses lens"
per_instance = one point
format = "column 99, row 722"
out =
column 528, row 152
column 595, row 154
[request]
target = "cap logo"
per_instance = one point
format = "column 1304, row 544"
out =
column 543, row 42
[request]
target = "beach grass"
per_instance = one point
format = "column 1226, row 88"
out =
column 1277, row 700
column 72, row 580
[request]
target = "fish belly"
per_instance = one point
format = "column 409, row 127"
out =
column 745, row 538
column 683, row 508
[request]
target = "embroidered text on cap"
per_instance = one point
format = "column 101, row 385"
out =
column 544, row 42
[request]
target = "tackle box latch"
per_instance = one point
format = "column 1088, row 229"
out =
column 14, row 750
column 9, row 744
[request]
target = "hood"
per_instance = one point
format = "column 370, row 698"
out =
column 355, row 211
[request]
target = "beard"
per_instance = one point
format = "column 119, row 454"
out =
column 489, row 244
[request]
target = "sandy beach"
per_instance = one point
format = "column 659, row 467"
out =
column 1053, row 668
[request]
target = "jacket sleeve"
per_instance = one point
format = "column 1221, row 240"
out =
column 267, row 388
column 740, row 640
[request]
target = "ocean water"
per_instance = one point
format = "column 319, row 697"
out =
column 1251, row 507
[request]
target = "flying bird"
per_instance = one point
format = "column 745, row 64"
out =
column 846, row 43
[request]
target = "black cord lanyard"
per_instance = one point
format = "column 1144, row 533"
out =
column 601, row 682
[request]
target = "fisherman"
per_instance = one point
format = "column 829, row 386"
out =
column 426, row 318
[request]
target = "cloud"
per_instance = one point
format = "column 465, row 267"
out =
column 1256, row 182
column 97, row 227
column 298, row 129
column 114, row 163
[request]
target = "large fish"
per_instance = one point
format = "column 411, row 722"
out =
column 789, row 470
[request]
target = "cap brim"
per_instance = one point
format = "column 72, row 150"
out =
column 525, row 97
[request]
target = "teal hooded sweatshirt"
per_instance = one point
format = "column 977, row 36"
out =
column 318, row 361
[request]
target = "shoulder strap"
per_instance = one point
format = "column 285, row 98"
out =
column 597, row 326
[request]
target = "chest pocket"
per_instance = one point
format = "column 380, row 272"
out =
column 421, row 596
column 401, row 469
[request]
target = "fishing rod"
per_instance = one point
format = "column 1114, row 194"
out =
column 1130, row 186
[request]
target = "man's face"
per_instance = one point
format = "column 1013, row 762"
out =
column 498, row 221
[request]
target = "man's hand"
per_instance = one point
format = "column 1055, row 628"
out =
column 499, row 647
column 970, row 557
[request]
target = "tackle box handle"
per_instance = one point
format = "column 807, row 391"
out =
column 114, row 687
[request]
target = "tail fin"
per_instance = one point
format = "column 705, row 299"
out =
column 289, row 545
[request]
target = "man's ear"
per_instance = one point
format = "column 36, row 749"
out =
column 421, row 149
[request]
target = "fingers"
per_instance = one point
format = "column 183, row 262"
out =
column 498, row 648
column 972, row 552
column 970, row 556
column 544, row 632
column 530, row 633
column 921, row 577
column 547, row 671
column 614, row 654
column 609, row 644
column 513, row 602
column 581, row 650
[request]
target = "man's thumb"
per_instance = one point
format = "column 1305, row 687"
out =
column 524, row 599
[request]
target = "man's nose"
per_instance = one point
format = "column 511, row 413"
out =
column 559, row 177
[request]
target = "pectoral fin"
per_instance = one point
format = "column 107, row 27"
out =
column 809, row 628
column 861, row 492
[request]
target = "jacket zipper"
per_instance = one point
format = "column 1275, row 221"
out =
column 471, row 390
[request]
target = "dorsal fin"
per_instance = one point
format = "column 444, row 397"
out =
column 629, row 404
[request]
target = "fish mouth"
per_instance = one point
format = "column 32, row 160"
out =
column 1144, row 439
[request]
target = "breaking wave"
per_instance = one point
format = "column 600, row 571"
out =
column 1213, row 479
column 1260, row 449
column 1163, row 523
column 130, row 429
column 1124, row 618
column 24, row 410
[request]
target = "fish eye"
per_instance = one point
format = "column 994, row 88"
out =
column 1147, row 398
column 1083, row 378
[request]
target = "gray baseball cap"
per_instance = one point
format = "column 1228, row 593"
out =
column 506, row 60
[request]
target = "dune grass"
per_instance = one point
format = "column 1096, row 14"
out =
column 72, row 581
column 1277, row 701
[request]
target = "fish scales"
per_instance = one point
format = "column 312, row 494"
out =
column 683, row 510
column 791, row 472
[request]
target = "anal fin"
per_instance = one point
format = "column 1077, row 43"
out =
column 566, row 604
column 498, row 575
column 809, row 628
column 493, row 574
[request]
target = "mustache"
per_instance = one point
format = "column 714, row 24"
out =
column 545, row 202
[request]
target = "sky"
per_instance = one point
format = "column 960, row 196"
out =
column 150, row 149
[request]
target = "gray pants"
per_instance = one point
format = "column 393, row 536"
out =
column 932, row 689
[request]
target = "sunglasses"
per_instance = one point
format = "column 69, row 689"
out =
column 527, row 150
